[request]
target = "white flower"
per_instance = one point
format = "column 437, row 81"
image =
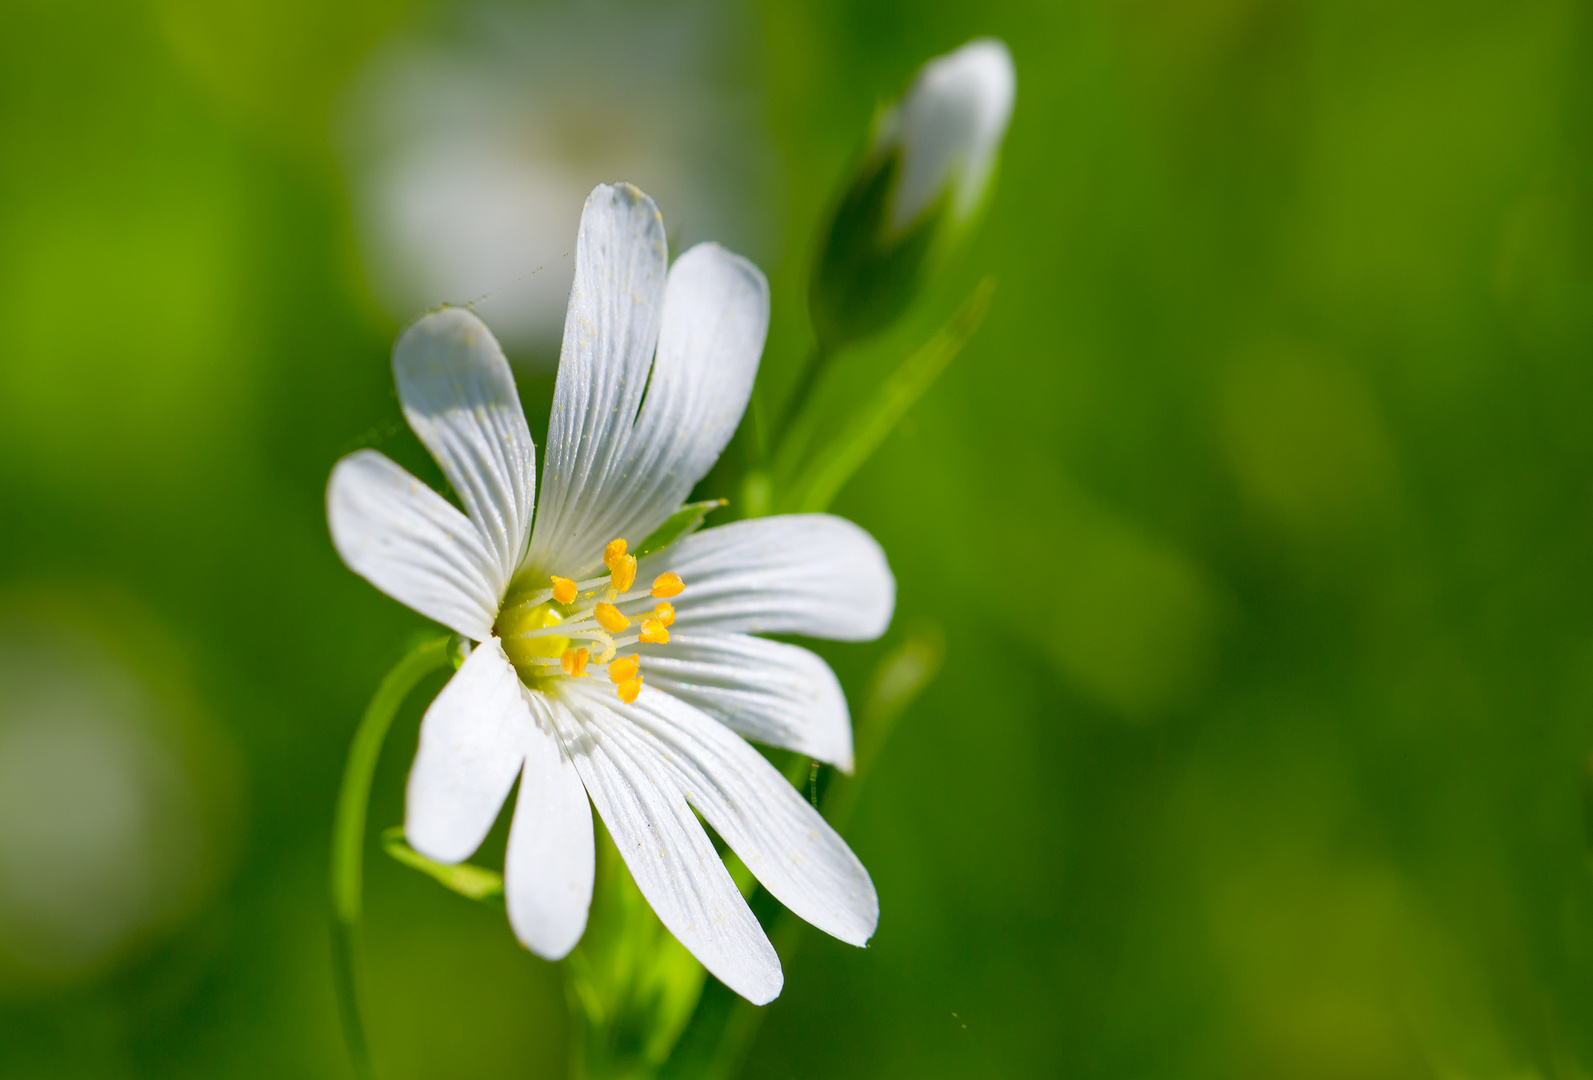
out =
column 585, row 682
column 948, row 127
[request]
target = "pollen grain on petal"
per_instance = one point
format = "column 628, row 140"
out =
column 563, row 589
column 667, row 584
column 614, row 550
column 654, row 633
column 664, row 612
column 610, row 617
column 628, row 689
column 574, row 662
column 625, row 669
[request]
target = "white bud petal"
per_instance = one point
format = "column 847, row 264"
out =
column 948, row 127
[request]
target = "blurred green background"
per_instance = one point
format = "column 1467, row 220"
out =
column 1257, row 515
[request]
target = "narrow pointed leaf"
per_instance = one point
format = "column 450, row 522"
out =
column 822, row 478
column 474, row 882
column 681, row 522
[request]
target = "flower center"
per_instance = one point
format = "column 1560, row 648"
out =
column 525, row 636
column 564, row 629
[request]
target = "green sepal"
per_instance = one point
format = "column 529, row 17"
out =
column 866, row 274
column 466, row 879
column 631, row 985
column 681, row 522
column 820, row 478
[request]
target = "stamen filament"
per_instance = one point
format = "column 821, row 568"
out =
column 542, row 596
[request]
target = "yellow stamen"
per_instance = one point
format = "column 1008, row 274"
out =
column 612, row 553
column 625, row 669
column 624, row 572
column 574, row 662
column 667, row 584
column 563, row 589
column 665, row 613
column 653, row 633
column 610, row 617
column 628, row 689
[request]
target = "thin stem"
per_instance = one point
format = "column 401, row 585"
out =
column 348, row 837
column 795, row 401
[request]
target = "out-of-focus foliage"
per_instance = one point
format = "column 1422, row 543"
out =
column 1258, row 514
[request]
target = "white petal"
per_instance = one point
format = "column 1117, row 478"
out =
column 610, row 331
column 410, row 542
column 472, row 742
column 791, row 850
column 770, row 692
column 547, row 871
column 812, row 574
column 949, row 125
column 664, row 846
column 459, row 396
column 716, row 316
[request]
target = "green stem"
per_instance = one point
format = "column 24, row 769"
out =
column 807, row 379
column 348, row 836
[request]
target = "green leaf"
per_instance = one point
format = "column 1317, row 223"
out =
column 681, row 522
column 474, row 882
column 822, row 478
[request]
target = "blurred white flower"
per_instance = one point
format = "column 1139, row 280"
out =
column 948, row 129
column 569, row 622
column 469, row 157
column 105, row 830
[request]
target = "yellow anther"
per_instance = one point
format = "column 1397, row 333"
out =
column 665, row 613
column 628, row 689
column 563, row 589
column 612, row 553
column 625, row 669
column 624, row 572
column 610, row 617
column 574, row 662
column 653, row 633
column 667, row 584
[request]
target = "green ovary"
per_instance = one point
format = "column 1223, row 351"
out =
column 525, row 652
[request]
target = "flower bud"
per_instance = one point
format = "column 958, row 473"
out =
column 920, row 185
